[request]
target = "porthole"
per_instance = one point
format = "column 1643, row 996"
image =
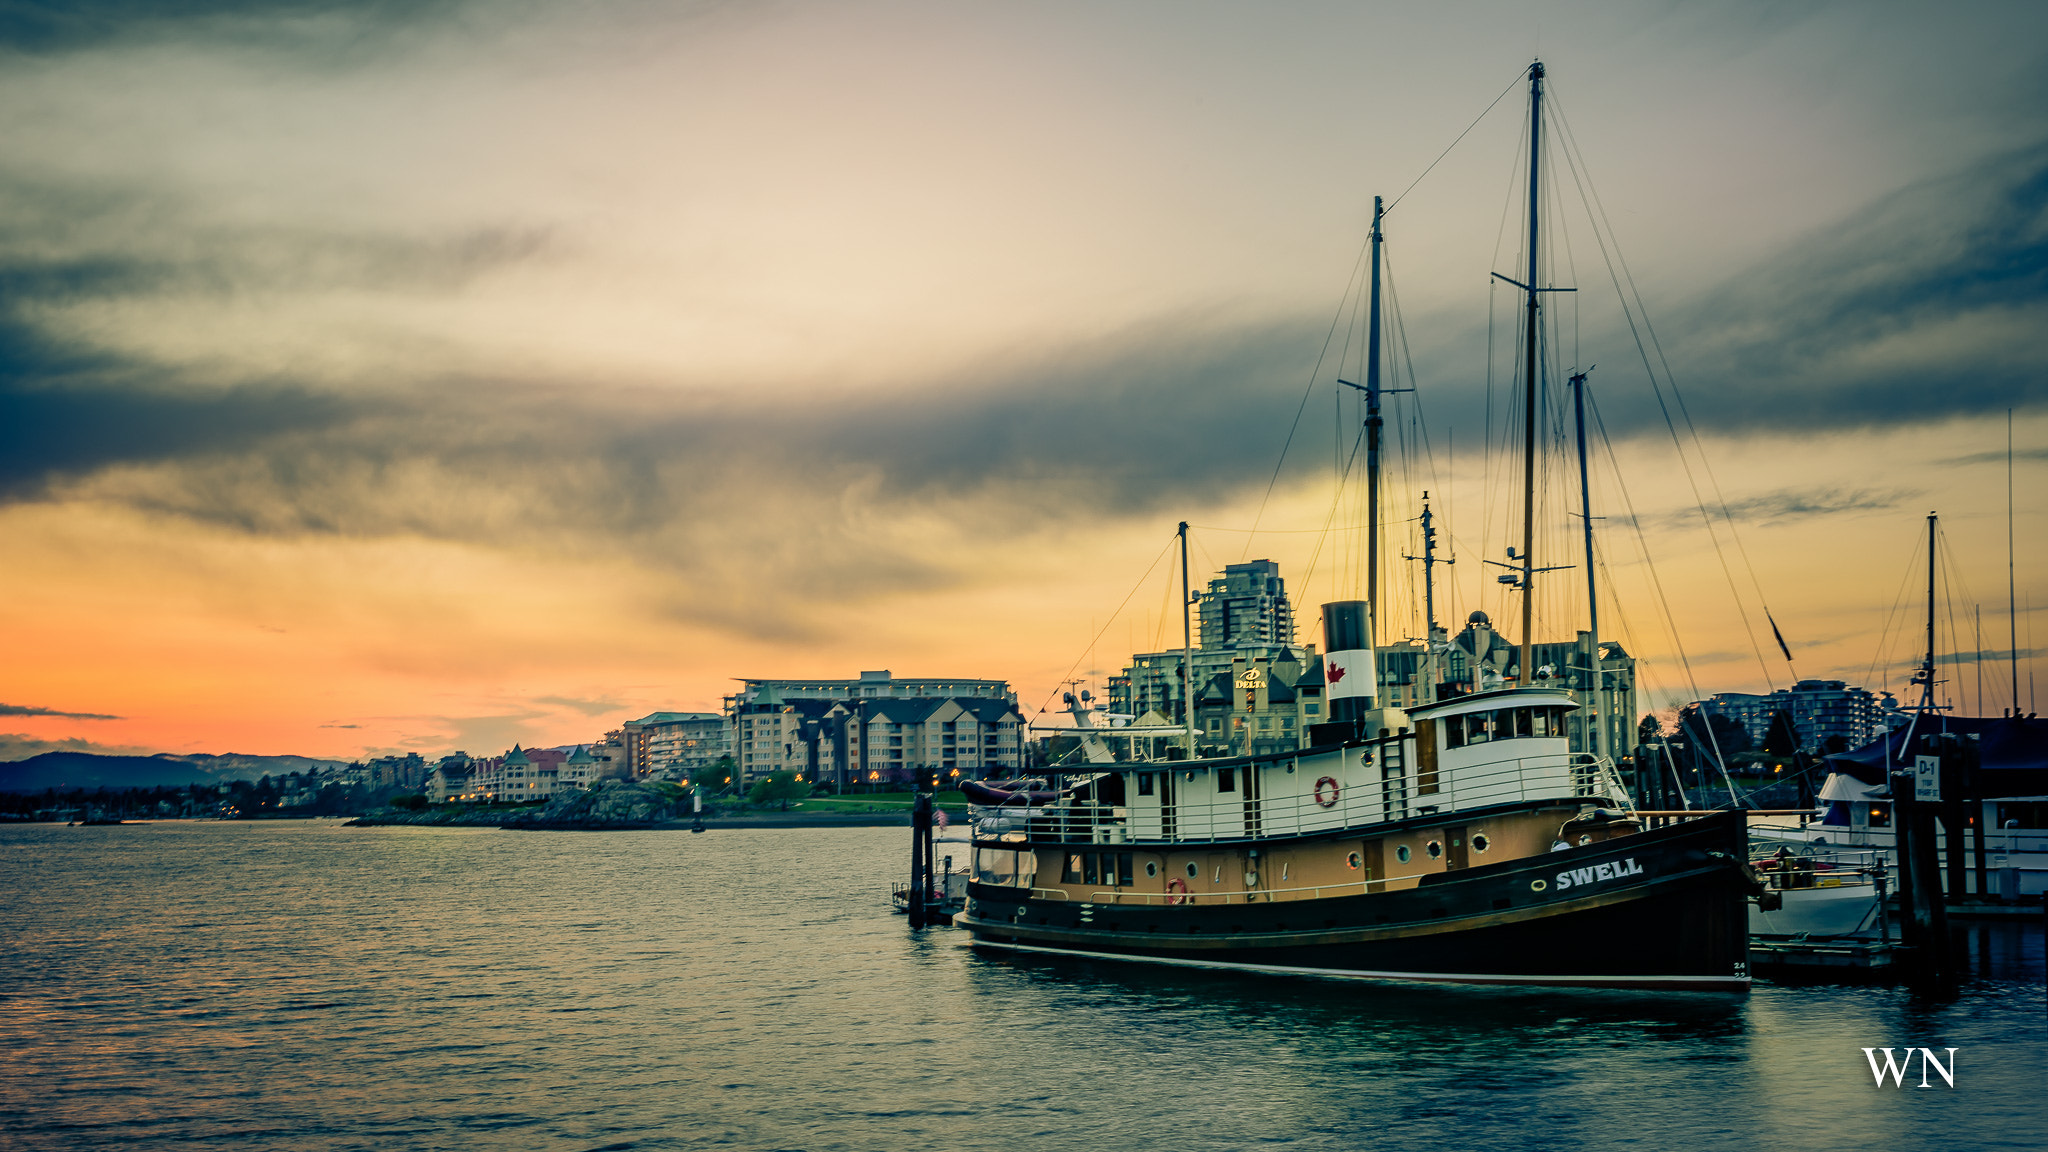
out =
column 1479, row 842
column 1436, row 850
column 1151, row 868
column 1538, row 885
column 1365, row 758
column 1354, row 861
column 1194, row 870
column 1402, row 853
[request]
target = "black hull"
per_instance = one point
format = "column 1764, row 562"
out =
column 1663, row 909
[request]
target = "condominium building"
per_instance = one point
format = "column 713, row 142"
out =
column 1820, row 711
column 1246, row 605
column 674, row 745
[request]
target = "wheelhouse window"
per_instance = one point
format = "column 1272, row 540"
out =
column 1226, row 780
column 1144, row 784
column 1111, row 868
column 1478, row 727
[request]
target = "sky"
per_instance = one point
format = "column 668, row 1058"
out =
column 379, row 377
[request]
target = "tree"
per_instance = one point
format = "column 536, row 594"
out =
column 1647, row 729
column 783, row 786
column 1782, row 739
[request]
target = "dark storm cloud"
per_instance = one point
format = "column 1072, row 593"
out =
column 55, row 26
column 1925, row 306
column 28, row 710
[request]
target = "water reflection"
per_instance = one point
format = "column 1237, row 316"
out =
column 316, row 987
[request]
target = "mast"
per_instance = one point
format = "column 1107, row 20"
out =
column 1429, row 562
column 1927, row 664
column 1528, row 556
column 1187, row 648
column 1372, row 443
column 1599, row 679
column 2012, row 616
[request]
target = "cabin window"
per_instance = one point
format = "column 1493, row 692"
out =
column 1436, row 850
column 1479, row 842
column 998, row 866
column 1226, row 780
column 1072, row 875
column 1124, row 878
column 1523, row 719
column 1151, row 867
column 1089, row 873
column 1454, row 732
column 1880, row 816
column 1401, row 853
column 1478, row 727
column 1539, row 722
column 1144, row 783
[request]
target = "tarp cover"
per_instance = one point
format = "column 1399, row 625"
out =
column 2012, row 753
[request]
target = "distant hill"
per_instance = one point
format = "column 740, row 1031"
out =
column 65, row 770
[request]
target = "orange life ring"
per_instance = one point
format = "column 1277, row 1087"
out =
column 1334, row 791
column 1177, row 885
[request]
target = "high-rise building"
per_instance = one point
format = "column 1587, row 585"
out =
column 1820, row 710
column 1247, row 605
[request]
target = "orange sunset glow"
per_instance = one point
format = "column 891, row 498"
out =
column 478, row 375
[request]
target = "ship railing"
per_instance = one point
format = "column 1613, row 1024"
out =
column 1791, row 867
column 1249, row 895
column 1359, row 805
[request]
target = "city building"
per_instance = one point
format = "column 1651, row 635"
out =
column 871, row 686
column 449, row 780
column 878, row 742
column 675, row 745
column 1246, row 605
column 518, row 776
column 408, row 771
column 1820, row 711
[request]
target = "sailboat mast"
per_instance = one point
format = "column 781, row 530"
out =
column 1528, row 557
column 1927, row 665
column 1187, row 648
column 1372, row 441
column 2012, row 616
column 1598, row 677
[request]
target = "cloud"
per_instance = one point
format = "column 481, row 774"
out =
column 341, row 725
column 1982, row 656
column 1925, row 305
column 47, row 27
column 21, row 746
column 2019, row 455
column 25, row 710
column 1784, row 505
column 587, row 707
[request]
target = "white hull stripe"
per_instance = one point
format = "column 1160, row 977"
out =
column 1711, row 983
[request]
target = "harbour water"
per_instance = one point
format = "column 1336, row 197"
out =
column 309, row 986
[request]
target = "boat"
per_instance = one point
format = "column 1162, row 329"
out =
column 1459, row 841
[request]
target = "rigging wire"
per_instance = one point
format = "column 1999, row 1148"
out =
column 1575, row 161
column 1112, row 620
column 1512, row 85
